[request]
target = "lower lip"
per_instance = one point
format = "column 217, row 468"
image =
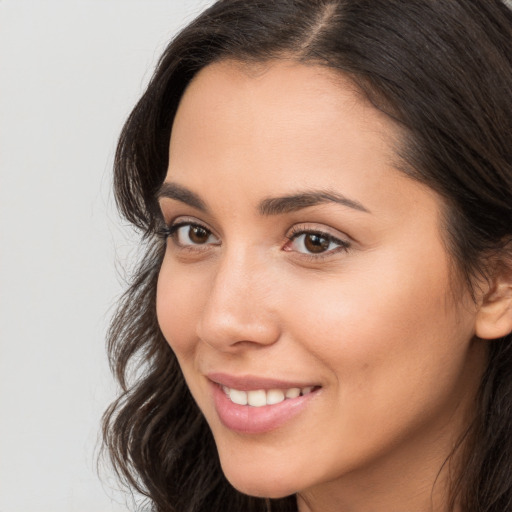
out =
column 257, row 420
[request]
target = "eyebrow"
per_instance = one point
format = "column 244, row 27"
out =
column 269, row 206
column 295, row 202
column 182, row 194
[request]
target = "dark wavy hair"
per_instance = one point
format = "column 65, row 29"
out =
column 442, row 70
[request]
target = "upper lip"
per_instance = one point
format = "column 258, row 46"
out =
column 253, row 382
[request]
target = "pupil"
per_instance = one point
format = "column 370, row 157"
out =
column 316, row 243
column 198, row 234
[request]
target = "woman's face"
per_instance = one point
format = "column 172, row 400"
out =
column 300, row 262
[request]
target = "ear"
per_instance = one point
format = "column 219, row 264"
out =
column 494, row 317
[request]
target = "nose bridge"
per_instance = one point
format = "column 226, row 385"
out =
column 239, row 307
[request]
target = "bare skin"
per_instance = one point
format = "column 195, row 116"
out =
column 352, row 293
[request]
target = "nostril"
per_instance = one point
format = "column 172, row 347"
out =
column 235, row 333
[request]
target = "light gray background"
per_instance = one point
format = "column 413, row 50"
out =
column 70, row 71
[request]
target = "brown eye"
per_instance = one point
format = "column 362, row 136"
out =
column 315, row 243
column 188, row 234
column 198, row 234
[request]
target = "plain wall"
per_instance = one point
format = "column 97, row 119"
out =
column 70, row 71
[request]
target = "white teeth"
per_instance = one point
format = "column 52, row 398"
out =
column 257, row 398
column 238, row 397
column 260, row 397
column 274, row 396
column 292, row 392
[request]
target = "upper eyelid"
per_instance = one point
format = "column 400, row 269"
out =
column 300, row 229
column 341, row 243
column 310, row 231
column 183, row 220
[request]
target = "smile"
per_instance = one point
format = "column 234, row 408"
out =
column 262, row 397
column 252, row 405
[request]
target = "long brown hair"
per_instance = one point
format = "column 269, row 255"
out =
column 442, row 69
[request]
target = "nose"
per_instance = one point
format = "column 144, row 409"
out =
column 240, row 309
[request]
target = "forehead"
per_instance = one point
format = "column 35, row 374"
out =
column 279, row 114
column 282, row 86
column 275, row 81
column 244, row 133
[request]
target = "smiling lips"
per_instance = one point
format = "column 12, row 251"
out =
column 251, row 405
column 262, row 397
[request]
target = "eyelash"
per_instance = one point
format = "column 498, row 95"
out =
column 297, row 231
column 166, row 232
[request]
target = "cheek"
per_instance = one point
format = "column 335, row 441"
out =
column 178, row 302
column 384, row 323
column 395, row 351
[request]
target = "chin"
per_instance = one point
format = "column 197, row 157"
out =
column 260, row 483
column 261, row 489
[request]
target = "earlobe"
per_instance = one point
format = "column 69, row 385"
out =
column 494, row 317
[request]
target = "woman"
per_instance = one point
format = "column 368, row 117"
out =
column 322, row 320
